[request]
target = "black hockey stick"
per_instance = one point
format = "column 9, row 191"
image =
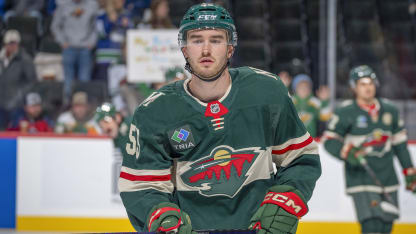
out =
column 236, row 231
column 388, row 204
column 373, row 176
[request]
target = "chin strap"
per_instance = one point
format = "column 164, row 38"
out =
column 207, row 79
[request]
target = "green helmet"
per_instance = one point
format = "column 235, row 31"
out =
column 104, row 111
column 174, row 72
column 207, row 16
column 360, row 72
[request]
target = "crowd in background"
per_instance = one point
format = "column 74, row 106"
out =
column 83, row 41
column 79, row 41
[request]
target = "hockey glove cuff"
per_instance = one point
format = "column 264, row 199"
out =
column 167, row 217
column 410, row 174
column 352, row 154
column 280, row 211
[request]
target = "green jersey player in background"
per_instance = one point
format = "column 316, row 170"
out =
column 116, row 126
column 369, row 130
column 226, row 128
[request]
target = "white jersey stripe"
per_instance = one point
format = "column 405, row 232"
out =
column 399, row 137
column 285, row 159
column 145, row 172
column 332, row 135
column 132, row 186
column 371, row 188
column 292, row 141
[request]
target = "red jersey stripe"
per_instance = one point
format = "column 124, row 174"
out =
column 131, row 177
column 294, row 146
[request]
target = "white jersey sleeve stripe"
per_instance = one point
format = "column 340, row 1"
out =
column 285, row 159
column 399, row 137
column 332, row 135
column 145, row 172
column 125, row 185
column 291, row 142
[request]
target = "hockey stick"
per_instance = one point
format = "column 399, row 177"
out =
column 388, row 204
column 235, row 231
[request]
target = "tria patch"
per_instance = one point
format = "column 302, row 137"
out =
column 181, row 138
column 362, row 121
column 223, row 172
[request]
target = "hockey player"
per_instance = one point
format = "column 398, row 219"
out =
column 225, row 127
column 114, row 125
column 369, row 130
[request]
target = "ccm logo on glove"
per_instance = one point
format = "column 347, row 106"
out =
column 289, row 201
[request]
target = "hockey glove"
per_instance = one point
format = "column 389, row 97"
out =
column 280, row 211
column 410, row 174
column 167, row 217
column 352, row 154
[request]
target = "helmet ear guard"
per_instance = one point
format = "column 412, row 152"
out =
column 362, row 71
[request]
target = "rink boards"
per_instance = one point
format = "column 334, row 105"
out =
column 67, row 184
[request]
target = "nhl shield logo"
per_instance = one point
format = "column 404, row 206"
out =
column 215, row 108
column 222, row 173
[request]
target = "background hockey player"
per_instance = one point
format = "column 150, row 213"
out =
column 114, row 125
column 225, row 127
column 370, row 128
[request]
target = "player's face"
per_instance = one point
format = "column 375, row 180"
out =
column 365, row 89
column 207, row 51
column 109, row 127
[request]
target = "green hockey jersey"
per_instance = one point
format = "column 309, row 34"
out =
column 123, row 131
column 381, row 137
column 224, row 150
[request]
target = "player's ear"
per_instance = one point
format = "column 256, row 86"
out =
column 230, row 51
column 185, row 54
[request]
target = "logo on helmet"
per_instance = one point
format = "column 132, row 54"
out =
column 207, row 17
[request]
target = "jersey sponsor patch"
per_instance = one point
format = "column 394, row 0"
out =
column 181, row 138
column 223, row 172
column 362, row 121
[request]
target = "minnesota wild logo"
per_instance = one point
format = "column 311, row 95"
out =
column 376, row 143
column 223, row 172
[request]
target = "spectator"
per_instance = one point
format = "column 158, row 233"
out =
column 74, row 28
column 17, row 72
column 112, row 27
column 285, row 77
column 159, row 17
column 310, row 109
column 32, row 119
column 79, row 118
column 137, row 7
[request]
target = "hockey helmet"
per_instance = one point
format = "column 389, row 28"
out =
column 207, row 16
column 104, row 111
column 360, row 72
